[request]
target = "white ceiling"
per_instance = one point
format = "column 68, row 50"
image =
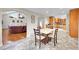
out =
column 50, row 11
column 57, row 12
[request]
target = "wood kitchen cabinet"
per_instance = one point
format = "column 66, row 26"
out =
column 50, row 22
column 74, row 20
column 63, row 21
column 63, row 24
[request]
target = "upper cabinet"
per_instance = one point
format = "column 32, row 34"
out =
column 50, row 20
column 57, row 22
column 50, row 25
column 73, row 28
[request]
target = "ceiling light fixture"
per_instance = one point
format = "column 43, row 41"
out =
column 47, row 12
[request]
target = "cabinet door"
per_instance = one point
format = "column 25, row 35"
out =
column 74, row 23
column 50, row 20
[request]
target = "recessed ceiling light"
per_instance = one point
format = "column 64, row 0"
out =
column 47, row 12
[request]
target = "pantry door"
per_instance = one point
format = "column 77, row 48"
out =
column 74, row 23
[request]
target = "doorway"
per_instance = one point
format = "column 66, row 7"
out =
column 14, row 27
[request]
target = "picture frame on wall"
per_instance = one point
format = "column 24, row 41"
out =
column 32, row 19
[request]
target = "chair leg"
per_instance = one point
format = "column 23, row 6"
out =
column 35, row 42
column 54, row 42
column 56, row 38
column 40, row 44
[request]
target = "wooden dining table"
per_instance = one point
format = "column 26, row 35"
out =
column 46, row 32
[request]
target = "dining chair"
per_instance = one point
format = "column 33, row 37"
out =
column 38, row 36
column 56, row 31
column 54, row 36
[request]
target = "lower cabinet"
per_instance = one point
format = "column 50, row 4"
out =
column 17, row 29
